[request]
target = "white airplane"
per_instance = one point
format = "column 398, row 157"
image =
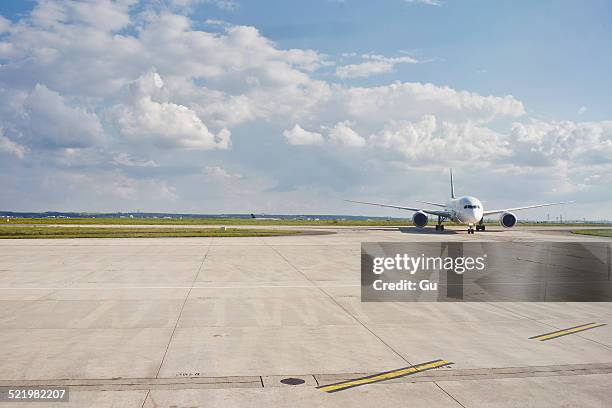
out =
column 465, row 210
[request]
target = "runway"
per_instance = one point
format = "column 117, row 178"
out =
column 201, row 322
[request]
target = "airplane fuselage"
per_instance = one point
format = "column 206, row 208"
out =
column 465, row 210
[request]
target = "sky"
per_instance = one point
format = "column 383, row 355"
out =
column 230, row 106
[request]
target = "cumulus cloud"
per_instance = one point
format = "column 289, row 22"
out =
column 540, row 143
column 164, row 124
column 342, row 134
column 226, row 79
column 413, row 100
column 373, row 64
column 106, row 15
column 126, row 159
column 299, row 136
column 49, row 121
column 429, row 141
column 90, row 79
column 11, row 147
column 220, row 172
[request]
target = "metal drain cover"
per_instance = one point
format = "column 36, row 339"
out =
column 292, row 381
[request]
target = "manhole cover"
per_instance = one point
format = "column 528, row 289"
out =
column 292, row 381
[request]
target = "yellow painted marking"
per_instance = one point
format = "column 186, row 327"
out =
column 384, row 376
column 571, row 330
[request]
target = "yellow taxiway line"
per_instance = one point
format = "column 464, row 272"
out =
column 565, row 332
column 387, row 375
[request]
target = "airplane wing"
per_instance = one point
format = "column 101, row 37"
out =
column 491, row 212
column 430, row 203
column 445, row 214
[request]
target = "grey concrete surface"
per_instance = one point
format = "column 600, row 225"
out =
column 91, row 399
column 199, row 322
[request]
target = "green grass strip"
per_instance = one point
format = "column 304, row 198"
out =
column 595, row 232
column 19, row 232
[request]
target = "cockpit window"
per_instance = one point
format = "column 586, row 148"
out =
column 471, row 206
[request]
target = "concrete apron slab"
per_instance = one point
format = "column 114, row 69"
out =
column 313, row 380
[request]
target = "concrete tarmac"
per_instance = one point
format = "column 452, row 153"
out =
column 219, row 322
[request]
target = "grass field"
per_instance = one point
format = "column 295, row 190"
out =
column 18, row 232
column 595, row 232
column 204, row 221
column 242, row 221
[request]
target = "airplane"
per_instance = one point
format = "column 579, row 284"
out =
column 256, row 217
column 464, row 210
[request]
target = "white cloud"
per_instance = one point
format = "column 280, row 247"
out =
column 299, row 136
column 49, row 121
column 11, row 147
column 373, row 64
column 221, row 4
column 413, row 100
column 539, row 143
column 224, row 4
column 164, row 124
column 136, row 190
column 215, row 22
column 5, row 25
column 426, row 2
column 104, row 184
column 72, row 80
column 125, row 159
column 220, row 172
column 428, row 141
column 342, row 134
column 581, row 111
column 225, row 79
column 106, row 15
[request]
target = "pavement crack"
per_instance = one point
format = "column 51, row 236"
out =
column 447, row 393
column 144, row 401
column 178, row 319
column 341, row 306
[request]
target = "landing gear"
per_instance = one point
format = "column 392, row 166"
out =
column 471, row 229
column 480, row 226
column 439, row 226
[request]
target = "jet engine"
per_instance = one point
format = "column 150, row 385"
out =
column 507, row 220
column 420, row 219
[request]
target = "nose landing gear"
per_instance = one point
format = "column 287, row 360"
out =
column 439, row 226
column 471, row 228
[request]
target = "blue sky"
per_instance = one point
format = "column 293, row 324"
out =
column 553, row 55
column 287, row 106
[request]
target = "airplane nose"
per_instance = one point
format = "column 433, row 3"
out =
column 475, row 215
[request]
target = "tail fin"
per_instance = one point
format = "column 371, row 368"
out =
column 452, row 185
